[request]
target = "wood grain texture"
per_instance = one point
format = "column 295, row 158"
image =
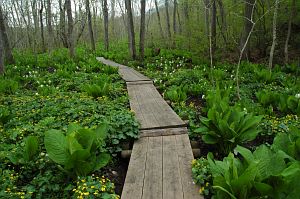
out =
column 134, row 182
column 151, row 109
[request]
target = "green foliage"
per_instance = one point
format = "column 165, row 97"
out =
column 176, row 94
column 8, row 86
column 289, row 143
column 227, row 126
column 202, row 175
column 101, row 88
column 4, row 115
column 94, row 187
column 79, row 151
column 265, row 75
column 24, row 154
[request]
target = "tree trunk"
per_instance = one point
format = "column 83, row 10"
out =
column 49, row 25
column 142, row 29
column 113, row 13
column 168, row 19
column 286, row 46
column 105, row 15
column 274, row 34
column 70, row 28
column 62, row 24
column 87, row 4
column 213, row 26
column 174, row 23
column 8, row 54
column 223, row 20
column 158, row 19
column 1, row 56
column 131, row 34
column 42, row 27
column 206, row 4
column 249, row 7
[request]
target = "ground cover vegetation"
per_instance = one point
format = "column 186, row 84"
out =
column 61, row 119
column 229, row 68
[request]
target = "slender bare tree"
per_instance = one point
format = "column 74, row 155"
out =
column 49, row 26
column 70, row 28
column 131, row 34
column 158, row 19
column 2, row 69
column 105, row 15
column 286, row 45
column 89, row 16
column 274, row 34
column 168, row 19
column 142, row 29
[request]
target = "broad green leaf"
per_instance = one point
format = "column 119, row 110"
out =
column 73, row 128
column 208, row 139
column 102, row 160
column 86, row 138
column 73, row 144
column 246, row 153
column 263, row 188
column 57, row 146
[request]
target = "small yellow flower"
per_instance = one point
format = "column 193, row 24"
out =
column 92, row 187
column 86, row 193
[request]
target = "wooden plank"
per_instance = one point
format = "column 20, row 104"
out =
column 172, row 185
column 163, row 132
column 139, row 82
column 134, row 182
column 185, row 157
column 154, row 109
column 153, row 173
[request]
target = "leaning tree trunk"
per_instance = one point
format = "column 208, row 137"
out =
column 70, row 28
column 131, row 34
column 1, row 56
column 105, row 15
column 42, row 27
column 249, row 6
column 113, row 13
column 274, row 34
column 142, row 29
column 8, row 54
column 158, row 19
column 286, row 46
column 87, row 4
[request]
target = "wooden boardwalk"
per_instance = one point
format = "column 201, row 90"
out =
column 160, row 163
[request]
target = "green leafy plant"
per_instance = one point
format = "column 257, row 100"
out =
column 8, row 86
column 101, row 88
column 79, row 151
column 202, row 175
column 4, row 115
column 227, row 126
column 176, row 94
column 288, row 143
column 246, row 178
column 23, row 155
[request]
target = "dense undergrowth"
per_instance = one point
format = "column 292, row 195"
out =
column 61, row 119
column 251, row 146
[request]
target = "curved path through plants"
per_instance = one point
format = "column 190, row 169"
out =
column 160, row 163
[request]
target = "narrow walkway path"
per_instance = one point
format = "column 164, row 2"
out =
column 160, row 163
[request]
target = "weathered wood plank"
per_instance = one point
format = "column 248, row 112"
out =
column 185, row 157
column 172, row 185
column 163, row 132
column 134, row 182
column 154, row 109
column 153, row 173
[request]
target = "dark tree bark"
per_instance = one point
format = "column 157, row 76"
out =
column 5, row 42
column 131, row 34
column 249, row 6
column 158, row 19
column 105, row 15
column 142, row 29
column 70, row 28
column 223, row 20
column 174, row 23
column 207, row 7
column 89, row 16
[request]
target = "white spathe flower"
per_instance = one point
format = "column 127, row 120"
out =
column 203, row 96
column 297, row 95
